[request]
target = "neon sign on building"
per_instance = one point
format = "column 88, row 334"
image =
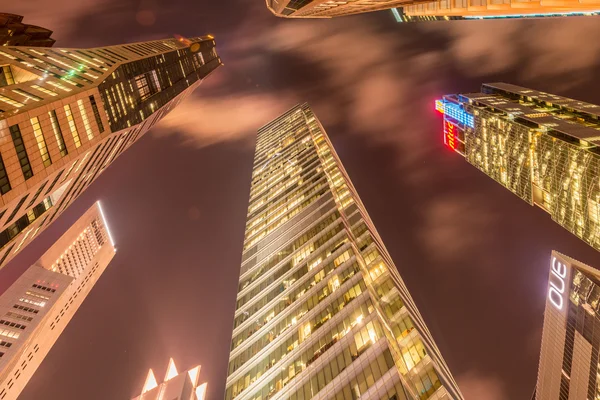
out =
column 450, row 134
column 455, row 112
column 558, row 276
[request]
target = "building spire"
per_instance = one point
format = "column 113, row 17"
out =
column 171, row 370
column 150, row 382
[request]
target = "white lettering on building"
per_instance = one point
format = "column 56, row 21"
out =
column 557, row 283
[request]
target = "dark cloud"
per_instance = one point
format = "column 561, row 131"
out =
column 473, row 255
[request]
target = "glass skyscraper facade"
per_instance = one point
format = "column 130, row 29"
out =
column 327, row 8
column 431, row 10
column 569, row 360
column 322, row 311
column 66, row 114
column 542, row 147
column 494, row 9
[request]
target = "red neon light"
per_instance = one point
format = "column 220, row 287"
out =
column 449, row 135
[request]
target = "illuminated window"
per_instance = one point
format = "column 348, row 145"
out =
column 155, row 81
column 6, row 76
column 9, row 333
column 86, row 123
column 58, row 85
column 4, row 182
column 72, row 126
column 8, row 55
column 142, row 85
column 10, row 101
column 38, row 303
column 28, row 95
column 17, row 139
column 44, row 90
column 60, row 140
column 96, row 114
column 41, row 141
column 147, row 84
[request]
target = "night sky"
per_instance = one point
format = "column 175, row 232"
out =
column 474, row 256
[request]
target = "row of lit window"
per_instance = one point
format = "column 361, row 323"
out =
column 335, row 247
column 315, row 191
column 352, row 317
column 318, row 226
column 318, row 294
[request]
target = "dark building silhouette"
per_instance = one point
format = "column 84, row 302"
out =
column 13, row 32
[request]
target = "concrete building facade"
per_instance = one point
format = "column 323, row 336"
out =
column 35, row 310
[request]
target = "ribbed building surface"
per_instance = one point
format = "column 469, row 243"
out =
column 66, row 114
column 542, row 147
column 35, row 310
column 322, row 312
column 13, row 32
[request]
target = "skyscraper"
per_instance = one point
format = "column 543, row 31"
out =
column 35, row 310
column 542, row 147
column 66, row 114
column 13, row 32
column 175, row 386
column 483, row 9
column 321, row 310
column 571, row 336
column 417, row 9
column 327, row 8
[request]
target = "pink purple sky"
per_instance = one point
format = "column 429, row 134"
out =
column 473, row 255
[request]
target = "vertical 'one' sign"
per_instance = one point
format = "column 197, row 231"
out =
column 557, row 287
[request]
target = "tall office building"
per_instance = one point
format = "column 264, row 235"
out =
column 571, row 336
column 321, row 310
column 35, row 310
column 494, row 9
column 542, row 147
column 66, row 114
column 13, row 32
column 430, row 10
column 401, row 16
column 175, row 386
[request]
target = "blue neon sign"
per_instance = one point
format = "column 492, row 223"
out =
column 455, row 112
